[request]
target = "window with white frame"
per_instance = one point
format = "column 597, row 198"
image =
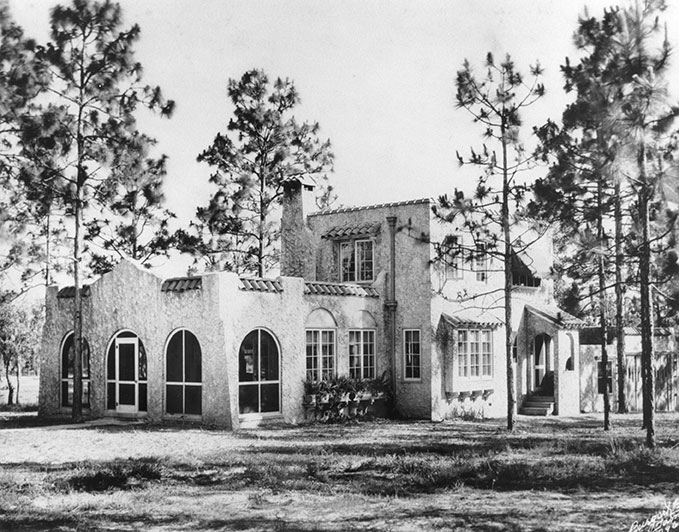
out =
column 320, row 354
column 474, row 353
column 357, row 263
column 362, row 354
column 412, row 354
column 454, row 258
column 481, row 263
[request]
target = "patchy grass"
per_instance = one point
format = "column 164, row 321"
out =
column 551, row 474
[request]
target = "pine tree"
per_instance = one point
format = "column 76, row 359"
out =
column 496, row 101
column 263, row 146
column 89, row 123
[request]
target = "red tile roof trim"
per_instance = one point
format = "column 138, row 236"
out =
column 182, row 284
column 256, row 284
column 339, row 289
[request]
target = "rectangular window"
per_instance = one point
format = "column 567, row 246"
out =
column 347, row 262
column 474, row 353
column 481, row 263
column 357, row 263
column 454, row 258
column 320, row 354
column 412, row 354
column 462, row 354
column 600, row 376
column 362, row 354
column 486, row 354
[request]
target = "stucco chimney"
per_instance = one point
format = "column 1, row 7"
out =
column 297, row 243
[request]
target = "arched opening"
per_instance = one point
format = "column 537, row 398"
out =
column 183, row 374
column 321, row 330
column 571, row 356
column 259, row 374
column 126, row 388
column 67, row 371
column 363, row 328
column 542, row 355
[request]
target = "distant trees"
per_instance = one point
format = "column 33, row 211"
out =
column 606, row 152
column 262, row 147
column 20, row 329
column 496, row 101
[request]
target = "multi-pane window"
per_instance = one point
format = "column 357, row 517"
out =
column 462, row 354
column 481, row 263
column 474, row 353
column 183, row 374
column 362, row 354
column 259, row 374
column 357, row 262
column 320, row 354
column 412, row 354
column 454, row 258
column 67, row 371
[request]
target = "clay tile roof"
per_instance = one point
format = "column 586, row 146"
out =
column 339, row 289
column 255, row 284
column 370, row 207
column 568, row 321
column 69, row 292
column 352, row 230
column 182, row 284
column 461, row 321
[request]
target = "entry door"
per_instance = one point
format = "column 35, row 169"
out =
column 127, row 366
column 539, row 360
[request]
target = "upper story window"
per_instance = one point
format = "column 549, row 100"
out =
column 481, row 263
column 474, row 353
column 454, row 257
column 357, row 261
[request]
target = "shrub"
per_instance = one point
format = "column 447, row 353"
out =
column 666, row 520
column 96, row 477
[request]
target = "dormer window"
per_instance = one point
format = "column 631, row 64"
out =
column 357, row 262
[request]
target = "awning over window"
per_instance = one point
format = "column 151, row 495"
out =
column 557, row 316
column 352, row 231
column 466, row 320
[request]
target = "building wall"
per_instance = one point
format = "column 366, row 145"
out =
column 413, row 288
column 220, row 315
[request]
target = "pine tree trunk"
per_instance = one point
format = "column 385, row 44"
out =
column 602, row 302
column 619, row 304
column 507, row 267
column 76, row 413
column 646, row 311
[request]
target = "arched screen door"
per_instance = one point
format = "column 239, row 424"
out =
column 126, row 374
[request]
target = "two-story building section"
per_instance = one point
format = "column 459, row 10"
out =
column 362, row 292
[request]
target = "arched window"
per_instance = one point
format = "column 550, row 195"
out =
column 320, row 345
column 126, row 390
column 183, row 374
column 362, row 346
column 67, row 367
column 259, row 374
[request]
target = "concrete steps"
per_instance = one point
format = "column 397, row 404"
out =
column 537, row 405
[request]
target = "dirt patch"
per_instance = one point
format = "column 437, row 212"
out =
column 549, row 475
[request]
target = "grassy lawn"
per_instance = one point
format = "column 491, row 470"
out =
column 551, row 474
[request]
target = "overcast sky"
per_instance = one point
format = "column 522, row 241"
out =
column 377, row 75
